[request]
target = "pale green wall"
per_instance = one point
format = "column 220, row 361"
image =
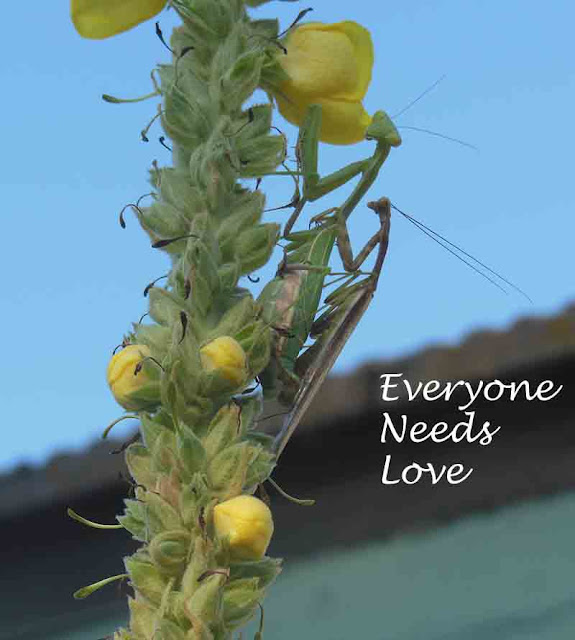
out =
column 509, row 575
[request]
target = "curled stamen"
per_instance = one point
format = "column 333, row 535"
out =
column 115, row 422
column 84, row 592
column 213, row 572
column 303, row 503
column 146, row 195
column 250, row 120
column 126, row 444
column 133, row 206
column 155, row 82
column 149, row 286
column 106, row 97
column 183, row 52
column 184, row 321
column 264, row 496
column 164, row 243
column 260, row 632
column 90, row 523
column 144, row 132
column 300, row 15
column 273, row 41
column 161, row 140
column 122, row 345
column 140, row 364
column 161, row 38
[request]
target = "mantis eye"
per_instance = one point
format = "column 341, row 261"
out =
column 383, row 129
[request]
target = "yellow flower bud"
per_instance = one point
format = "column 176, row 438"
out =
column 98, row 19
column 247, row 524
column 225, row 356
column 133, row 391
column 329, row 65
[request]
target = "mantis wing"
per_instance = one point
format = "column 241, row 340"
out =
column 343, row 320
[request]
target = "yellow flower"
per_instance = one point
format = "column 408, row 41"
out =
column 247, row 524
column 329, row 65
column 133, row 391
column 98, row 19
column 225, row 356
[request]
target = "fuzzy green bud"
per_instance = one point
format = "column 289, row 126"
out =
column 169, row 550
column 243, row 78
column 240, row 601
column 255, row 246
column 206, row 599
column 227, row 470
column 145, row 578
column 190, row 452
column 223, row 429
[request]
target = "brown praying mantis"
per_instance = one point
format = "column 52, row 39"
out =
column 290, row 302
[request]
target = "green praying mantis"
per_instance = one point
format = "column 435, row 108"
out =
column 290, row 302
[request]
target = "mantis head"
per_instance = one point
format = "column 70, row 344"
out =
column 383, row 130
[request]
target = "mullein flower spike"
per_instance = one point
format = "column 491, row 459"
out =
column 329, row 65
column 201, row 571
column 99, row 19
column 132, row 383
column 246, row 522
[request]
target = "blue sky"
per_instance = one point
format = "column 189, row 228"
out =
column 73, row 280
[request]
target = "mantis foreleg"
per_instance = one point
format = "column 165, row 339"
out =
column 350, row 264
column 290, row 302
column 382, row 130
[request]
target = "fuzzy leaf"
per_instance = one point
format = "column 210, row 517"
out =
column 191, row 453
column 160, row 515
column 223, row 429
column 254, row 246
column 227, row 470
column 133, row 520
column 240, row 600
column 265, row 570
column 145, row 578
column 167, row 630
column 139, row 462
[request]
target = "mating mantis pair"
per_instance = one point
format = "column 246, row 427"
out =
column 290, row 302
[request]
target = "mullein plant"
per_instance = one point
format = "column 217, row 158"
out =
column 201, row 571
